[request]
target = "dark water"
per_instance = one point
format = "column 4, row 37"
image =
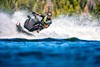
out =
column 49, row 53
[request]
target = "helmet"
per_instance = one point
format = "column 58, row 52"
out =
column 49, row 14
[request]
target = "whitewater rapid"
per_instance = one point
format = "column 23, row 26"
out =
column 83, row 27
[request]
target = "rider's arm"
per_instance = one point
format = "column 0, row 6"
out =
column 38, row 14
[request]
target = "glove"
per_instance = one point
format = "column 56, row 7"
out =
column 33, row 12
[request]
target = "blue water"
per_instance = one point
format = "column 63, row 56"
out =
column 49, row 52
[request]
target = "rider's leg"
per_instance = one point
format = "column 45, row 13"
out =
column 40, row 28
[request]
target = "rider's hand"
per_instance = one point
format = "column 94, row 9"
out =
column 33, row 12
column 46, row 26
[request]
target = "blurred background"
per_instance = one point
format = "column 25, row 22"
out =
column 65, row 7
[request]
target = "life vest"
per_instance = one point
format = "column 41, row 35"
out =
column 44, row 20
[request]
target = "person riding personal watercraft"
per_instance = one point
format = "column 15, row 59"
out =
column 36, row 24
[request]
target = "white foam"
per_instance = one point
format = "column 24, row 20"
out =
column 83, row 27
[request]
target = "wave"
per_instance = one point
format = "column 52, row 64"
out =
column 63, row 27
column 73, row 39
